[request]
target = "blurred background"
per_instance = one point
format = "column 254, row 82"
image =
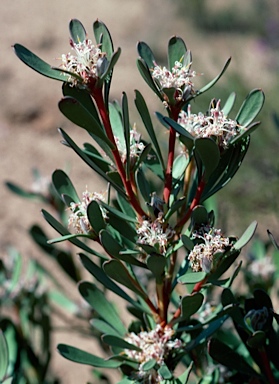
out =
column 213, row 30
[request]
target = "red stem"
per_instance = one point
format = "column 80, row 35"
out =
column 174, row 113
column 98, row 97
column 194, row 203
column 266, row 365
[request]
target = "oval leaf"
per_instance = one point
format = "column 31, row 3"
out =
column 247, row 235
column 63, row 185
column 4, row 355
column 77, row 31
column 250, row 107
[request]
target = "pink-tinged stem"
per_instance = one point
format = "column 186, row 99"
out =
column 174, row 113
column 198, row 286
column 194, row 203
column 98, row 97
column 266, row 365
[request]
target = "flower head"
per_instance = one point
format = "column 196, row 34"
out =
column 156, row 344
column 136, row 146
column 214, row 124
column 78, row 217
column 155, row 234
column 85, row 62
column 179, row 77
column 212, row 242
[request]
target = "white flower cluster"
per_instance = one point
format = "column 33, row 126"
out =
column 84, row 62
column 202, row 255
column 153, row 233
column 262, row 269
column 78, row 218
column 156, row 344
column 136, row 146
column 214, row 124
column 179, row 77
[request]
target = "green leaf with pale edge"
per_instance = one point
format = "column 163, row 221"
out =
column 95, row 217
column 176, row 51
column 77, row 31
column 229, row 104
column 4, row 355
column 192, row 277
column 63, row 231
column 145, row 73
column 214, row 81
column 40, row 66
column 226, row 356
column 115, row 341
column 145, row 116
column 103, row 327
column 63, row 185
column 100, row 275
column 80, row 116
column 118, row 272
column 82, row 357
column 99, row 302
column 88, row 161
column 246, row 237
column 250, row 107
column 116, row 123
column 209, row 154
column 190, row 305
column 67, row 237
column 146, row 54
column 102, row 35
column 156, row 264
column 165, row 372
column 126, row 126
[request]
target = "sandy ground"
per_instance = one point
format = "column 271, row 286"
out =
column 29, row 116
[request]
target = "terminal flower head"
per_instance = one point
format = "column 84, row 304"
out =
column 78, row 218
column 156, row 344
column 211, row 242
column 179, row 77
column 215, row 124
column 84, row 64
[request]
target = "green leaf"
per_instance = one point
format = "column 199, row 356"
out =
column 176, row 51
column 250, row 107
column 229, row 358
column 149, row 365
column 145, row 73
column 87, row 160
column 95, row 217
column 68, row 237
column 246, row 237
column 80, row 116
column 38, row 64
column 190, row 305
column 119, row 214
column 229, row 104
column 214, row 81
column 209, row 154
column 63, row 231
column 63, row 185
column 77, row 31
column 115, row 341
column 62, row 301
column 143, row 185
column 156, row 264
column 126, row 126
column 102, row 36
column 165, row 372
column 144, row 113
column 99, row 302
column 199, row 215
column 118, row 272
column 23, row 193
column 146, row 54
column 82, row 357
column 192, row 277
column 185, row 137
column 257, row 340
column 84, row 98
column 103, row 327
column 100, row 275
column 4, row 356
column 116, row 123
column 179, row 166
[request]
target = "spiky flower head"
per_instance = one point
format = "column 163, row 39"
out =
column 179, row 77
column 85, row 63
column 211, row 242
column 78, row 218
column 215, row 124
column 155, row 233
column 156, row 344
